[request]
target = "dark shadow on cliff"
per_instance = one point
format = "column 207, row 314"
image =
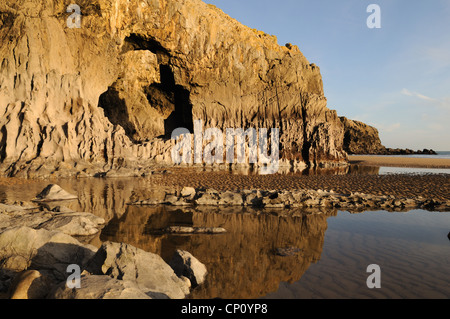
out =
column 4, row 134
column 166, row 96
column 116, row 111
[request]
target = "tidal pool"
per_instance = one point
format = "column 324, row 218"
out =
column 324, row 253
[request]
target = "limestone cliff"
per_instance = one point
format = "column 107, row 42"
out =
column 363, row 139
column 107, row 95
column 360, row 138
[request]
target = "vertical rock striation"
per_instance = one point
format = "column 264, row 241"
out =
column 107, row 95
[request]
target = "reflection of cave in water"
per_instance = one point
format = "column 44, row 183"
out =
column 242, row 262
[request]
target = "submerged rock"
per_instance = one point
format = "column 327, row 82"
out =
column 194, row 230
column 287, row 251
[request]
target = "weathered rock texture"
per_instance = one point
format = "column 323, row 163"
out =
column 34, row 265
column 50, row 252
column 360, row 138
column 186, row 265
column 88, row 100
column 99, row 287
column 149, row 271
column 296, row 199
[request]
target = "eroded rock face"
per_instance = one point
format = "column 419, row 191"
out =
column 80, row 101
column 361, row 138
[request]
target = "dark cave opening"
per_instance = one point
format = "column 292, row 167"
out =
column 167, row 97
column 116, row 111
column 182, row 106
column 138, row 42
column 4, row 135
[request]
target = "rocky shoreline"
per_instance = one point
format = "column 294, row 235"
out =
column 41, row 248
column 287, row 199
column 40, row 240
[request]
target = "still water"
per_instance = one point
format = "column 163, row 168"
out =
column 330, row 249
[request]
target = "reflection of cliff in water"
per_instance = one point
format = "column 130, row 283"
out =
column 241, row 263
column 339, row 170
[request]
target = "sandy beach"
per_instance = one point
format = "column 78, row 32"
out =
column 399, row 161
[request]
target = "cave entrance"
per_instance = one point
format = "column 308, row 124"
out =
column 116, row 111
column 181, row 115
column 172, row 101
column 166, row 96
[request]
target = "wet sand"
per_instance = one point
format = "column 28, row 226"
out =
column 399, row 161
column 432, row 186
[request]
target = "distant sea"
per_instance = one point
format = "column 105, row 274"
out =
column 441, row 154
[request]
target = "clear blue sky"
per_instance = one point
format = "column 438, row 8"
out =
column 396, row 78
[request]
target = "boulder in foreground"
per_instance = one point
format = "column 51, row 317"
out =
column 149, row 271
column 50, row 252
column 186, row 265
column 29, row 284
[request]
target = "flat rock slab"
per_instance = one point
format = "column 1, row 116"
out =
column 69, row 223
column 195, row 230
column 54, row 193
column 293, row 199
column 99, row 287
column 25, row 248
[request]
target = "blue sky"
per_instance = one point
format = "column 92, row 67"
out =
column 396, row 78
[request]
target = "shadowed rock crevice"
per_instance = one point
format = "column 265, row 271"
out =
column 167, row 95
column 116, row 111
column 160, row 97
column 139, row 42
column 4, row 135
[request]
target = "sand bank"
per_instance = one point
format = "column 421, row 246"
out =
column 399, row 161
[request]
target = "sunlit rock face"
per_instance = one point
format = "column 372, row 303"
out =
column 107, row 95
column 360, row 138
